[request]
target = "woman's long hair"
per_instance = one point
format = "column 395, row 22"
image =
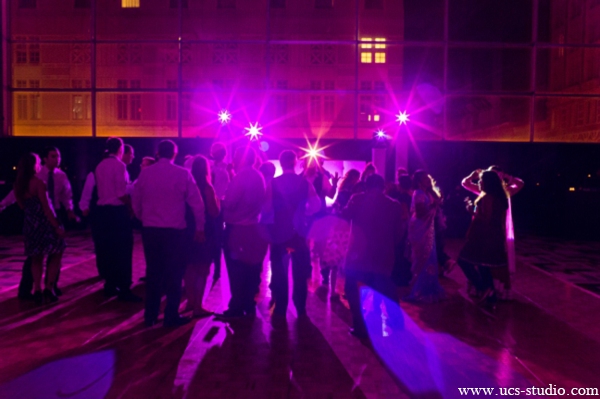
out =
column 25, row 172
column 491, row 184
column 350, row 179
column 369, row 170
column 201, row 171
column 421, row 174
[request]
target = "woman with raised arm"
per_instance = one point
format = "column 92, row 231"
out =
column 485, row 248
column 421, row 234
column 43, row 233
column 512, row 185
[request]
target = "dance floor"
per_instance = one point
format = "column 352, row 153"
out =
column 88, row 347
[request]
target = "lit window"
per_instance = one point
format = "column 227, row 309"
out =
column 380, row 44
column 366, row 45
column 130, row 3
column 366, row 58
column 380, row 58
column 77, row 107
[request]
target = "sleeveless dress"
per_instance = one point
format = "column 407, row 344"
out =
column 40, row 236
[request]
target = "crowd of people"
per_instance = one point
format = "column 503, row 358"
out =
column 378, row 235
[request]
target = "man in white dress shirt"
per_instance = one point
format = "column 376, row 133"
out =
column 159, row 200
column 115, row 233
column 60, row 195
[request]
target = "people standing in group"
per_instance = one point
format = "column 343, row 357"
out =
column 512, row 186
column 485, row 248
column 159, row 201
column 60, row 196
column 115, row 232
column 200, row 254
column 376, row 231
column 220, row 176
column 292, row 199
column 43, row 233
column 245, row 248
column 369, row 170
column 421, row 235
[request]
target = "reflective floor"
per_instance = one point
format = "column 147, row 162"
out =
column 88, row 347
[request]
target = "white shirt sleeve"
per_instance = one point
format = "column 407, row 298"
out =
column 314, row 202
column 86, row 194
column 8, row 200
column 66, row 194
column 121, row 179
column 194, row 200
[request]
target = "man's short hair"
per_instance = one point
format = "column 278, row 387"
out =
column 150, row 160
column 218, row 151
column 113, row 144
column 167, row 149
column 48, row 150
column 128, row 149
column 375, row 182
column 287, row 159
column 268, row 169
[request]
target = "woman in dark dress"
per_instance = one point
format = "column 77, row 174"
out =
column 486, row 239
column 43, row 233
column 200, row 257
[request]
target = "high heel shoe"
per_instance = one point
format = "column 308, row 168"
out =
column 49, row 296
column 38, row 298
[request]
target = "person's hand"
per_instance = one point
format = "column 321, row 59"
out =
column 335, row 179
column 85, row 212
column 72, row 216
column 199, row 237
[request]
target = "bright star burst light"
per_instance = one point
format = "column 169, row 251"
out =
column 402, row 118
column 254, row 131
column 313, row 152
column 224, row 117
column 380, row 134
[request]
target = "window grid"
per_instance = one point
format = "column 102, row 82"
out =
column 560, row 115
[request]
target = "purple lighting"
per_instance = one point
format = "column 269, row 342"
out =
column 224, row 117
column 313, row 152
column 254, row 131
column 380, row 134
column 402, row 118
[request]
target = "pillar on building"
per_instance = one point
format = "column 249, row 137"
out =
column 379, row 157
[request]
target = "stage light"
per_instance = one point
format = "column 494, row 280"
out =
column 313, row 152
column 263, row 146
column 224, row 117
column 254, row 131
column 402, row 118
column 380, row 135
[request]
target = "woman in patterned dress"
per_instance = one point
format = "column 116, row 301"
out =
column 421, row 234
column 43, row 233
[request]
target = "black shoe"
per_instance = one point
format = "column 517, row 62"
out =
column 179, row 321
column 25, row 296
column 129, row 296
column 38, row 298
column 110, row 291
column 57, row 291
column 49, row 297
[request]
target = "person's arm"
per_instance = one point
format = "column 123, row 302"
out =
column 194, row 200
column 328, row 188
column 66, row 198
column 40, row 190
column 514, row 185
column 212, row 203
column 86, row 194
column 8, row 200
column 313, row 203
column 469, row 182
column 121, row 180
